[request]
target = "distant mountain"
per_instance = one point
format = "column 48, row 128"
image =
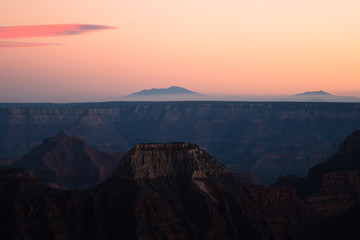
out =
column 319, row 96
column 312, row 93
column 174, row 90
column 173, row 93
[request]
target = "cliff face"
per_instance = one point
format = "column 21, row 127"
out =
column 178, row 191
column 68, row 163
column 167, row 191
column 185, row 193
column 265, row 139
column 332, row 189
column 338, row 176
column 148, row 161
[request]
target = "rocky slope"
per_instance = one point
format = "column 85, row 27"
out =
column 68, row 163
column 178, row 191
column 340, row 169
column 268, row 140
column 158, row 191
column 332, row 189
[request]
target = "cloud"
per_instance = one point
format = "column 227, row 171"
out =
column 25, row 44
column 32, row 31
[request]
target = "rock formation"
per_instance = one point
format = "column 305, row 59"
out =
column 178, row 191
column 68, row 163
column 332, row 189
column 267, row 140
column 167, row 191
column 149, row 161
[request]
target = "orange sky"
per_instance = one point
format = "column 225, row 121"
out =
column 213, row 47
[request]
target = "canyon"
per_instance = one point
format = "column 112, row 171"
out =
column 265, row 139
column 179, row 191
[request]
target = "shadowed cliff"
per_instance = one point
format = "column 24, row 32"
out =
column 178, row 191
column 158, row 191
column 68, row 163
column 268, row 140
column 332, row 189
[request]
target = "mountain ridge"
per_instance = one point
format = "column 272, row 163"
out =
column 320, row 92
column 321, row 96
column 173, row 90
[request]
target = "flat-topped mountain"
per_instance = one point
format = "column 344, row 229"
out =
column 159, row 191
column 68, row 163
column 174, row 90
column 311, row 93
column 173, row 93
column 148, row 161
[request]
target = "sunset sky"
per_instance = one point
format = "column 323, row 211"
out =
column 63, row 51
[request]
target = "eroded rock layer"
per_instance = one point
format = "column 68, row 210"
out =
column 267, row 140
column 178, row 191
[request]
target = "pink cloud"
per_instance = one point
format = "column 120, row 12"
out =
column 25, row 44
column 31, row 31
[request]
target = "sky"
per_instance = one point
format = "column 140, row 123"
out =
column 68, row 51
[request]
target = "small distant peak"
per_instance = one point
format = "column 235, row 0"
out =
column 314, row 93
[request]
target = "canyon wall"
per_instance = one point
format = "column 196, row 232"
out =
column 266, row 139
column 179, row 191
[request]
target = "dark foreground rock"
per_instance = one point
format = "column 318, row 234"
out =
column 178, row 191
column 68, row 163
column 158, row 191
